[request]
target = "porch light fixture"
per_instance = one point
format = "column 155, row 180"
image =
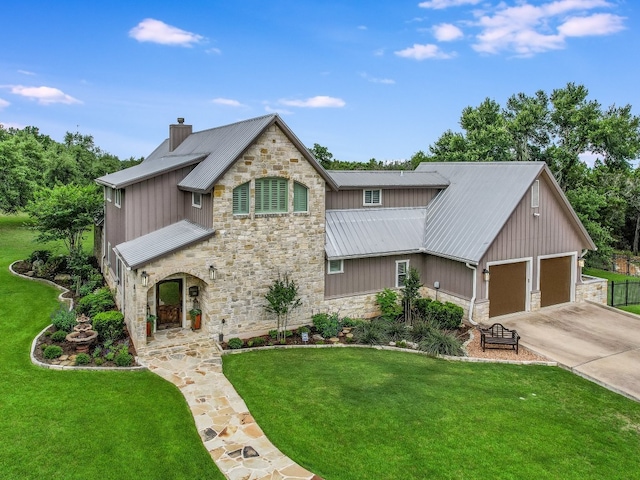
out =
column 581, row 262
column 485, row 275
column 212, row 272
column 145, row 278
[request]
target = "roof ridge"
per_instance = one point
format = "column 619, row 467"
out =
column 248, row 120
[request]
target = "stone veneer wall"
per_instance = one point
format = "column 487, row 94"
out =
column 592, row 289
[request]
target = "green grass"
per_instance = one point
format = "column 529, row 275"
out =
column 81, row 424
column 363, row 414
column 619, row 291
column 616, row 277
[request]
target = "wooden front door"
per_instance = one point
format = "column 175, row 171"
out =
column 169, row 304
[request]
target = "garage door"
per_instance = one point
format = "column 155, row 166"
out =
column 507, row 288
column 555, row 280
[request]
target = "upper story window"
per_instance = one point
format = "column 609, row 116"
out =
column 117, row 197
column 372, row 197
column 300, row 198
column 335, row 266
column 196, row 199
column 535, row 194
column 241, row 199
column 271, row 195
column 107, row 193
column 402, row 268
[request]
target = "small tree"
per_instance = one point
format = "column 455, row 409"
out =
column 410, row 293
column 282, row 299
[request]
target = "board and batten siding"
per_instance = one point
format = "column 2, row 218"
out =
column 202, row 216
column 391, row 198
column 455, row 278
column 114, row 225
column 367, row 275
column 155, row 203
column 526, row 235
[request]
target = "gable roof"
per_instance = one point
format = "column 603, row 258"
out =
column 379, row 231
column 464, row 219
column 215, row 150
column 161, row 242
column 346, row 179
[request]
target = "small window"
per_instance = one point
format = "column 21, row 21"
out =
column 336, row 266
column 196, row 199
column 117, row 197
column 402, row 267
column 271, row 195
column 372, row 197
column 300, row 193
column 108, row 253
column 107, row 193
column 535, row 194
column 241, row 199
column 118, row 269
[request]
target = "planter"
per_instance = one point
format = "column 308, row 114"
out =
column 196, row 322
column 148, row 329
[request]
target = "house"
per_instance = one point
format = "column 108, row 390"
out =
column 210, row 219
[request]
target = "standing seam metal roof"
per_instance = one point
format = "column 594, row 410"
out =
column 387, row 178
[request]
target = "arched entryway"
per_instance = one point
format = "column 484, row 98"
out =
column 169, row 304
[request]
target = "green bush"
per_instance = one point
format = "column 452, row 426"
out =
column 97, row 351
column 447, row 315
column 110, row 356
column 387, row 300
column 52, row 351
column 421, row 330
column 396, row 331
column 39, row 255
column 328, row 325
column 82, row 359
column 441, row 343
column 371, row 333
column 273, row 333
column 303, row 329
column 256, row 342
column 63, row 318
column 98, row 361
column 123, row 358
column 109, row 325
column 235, row 343
column 99, row 301
column 94, row 281
column 59, row 336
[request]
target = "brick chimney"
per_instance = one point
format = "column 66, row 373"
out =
column 177, row 133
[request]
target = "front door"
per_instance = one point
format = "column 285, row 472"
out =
column 169, row 304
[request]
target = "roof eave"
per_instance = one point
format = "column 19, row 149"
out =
column 374, row 255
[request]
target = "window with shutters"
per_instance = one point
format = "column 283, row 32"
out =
column 402, row 267
column 300, row 194
column 241, row 199
column 535, row 194
column 271, row 195
column 372, row 197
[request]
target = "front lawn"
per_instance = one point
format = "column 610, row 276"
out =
column 363, row 413
column 81, row 424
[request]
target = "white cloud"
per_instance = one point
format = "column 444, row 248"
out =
column 529, row 29
column 422, row 52
column 440, row 4
column 597, row 24
column 3, row 104
column 320, row 101
column 214, row 51
column 26, row 72
column 446, row 32
column 385, row 81
column 227, row 102
column 44, row 95
column 156, row 31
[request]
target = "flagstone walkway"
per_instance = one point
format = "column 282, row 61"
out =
column 235, row 441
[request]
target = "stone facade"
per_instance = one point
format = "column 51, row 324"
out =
column 592, row 289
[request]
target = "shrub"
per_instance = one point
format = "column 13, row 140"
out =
column 273, row 333
column 63, row 319
column 441, row 343
column 447, row 315
column 350, row 322
column 97, row 351
column 123, row 358
column 109, row 356
column 52, row 351
column 327, row 325
column 109, row 325
column 98, row 361
column 39, row 255
column 59, row 336
column 387, row 300
column 303, row 329
column 402, row 344
column 256, row 342
column 99, row 301
column 52, row 266
column 82, row 359
column 396, row 331
column 370, row 333
column 235, row 343
column 94, row 281
column 420, row 330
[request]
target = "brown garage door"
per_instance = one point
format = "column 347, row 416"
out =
column 507, row 288
column 555, row 280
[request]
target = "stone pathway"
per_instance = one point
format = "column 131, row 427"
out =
column 236, row 443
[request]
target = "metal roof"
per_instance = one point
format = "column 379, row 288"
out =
column 147, row 169
column 387, row 178
column 374, row 232
column 159, row 243
column 464, row 219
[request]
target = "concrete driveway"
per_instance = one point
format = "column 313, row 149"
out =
column 599, row 343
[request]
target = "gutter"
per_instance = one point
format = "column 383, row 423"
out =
column 474, row 269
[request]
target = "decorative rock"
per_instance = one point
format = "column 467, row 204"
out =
column 62, row 358
column 235, row 453
column 318, row 337
column 334, row 340
column 249, row 452
column 349, row 335
column 392, row 344
column 209, row 434
column 346, row 330
column 62, row 277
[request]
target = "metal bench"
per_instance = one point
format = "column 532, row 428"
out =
column 496, row 334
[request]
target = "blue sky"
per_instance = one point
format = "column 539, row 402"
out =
column 375, row 79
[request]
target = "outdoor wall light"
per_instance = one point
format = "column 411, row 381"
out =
column 145, row 278
column 485, row 275
column 212, row 272
column 581, row 262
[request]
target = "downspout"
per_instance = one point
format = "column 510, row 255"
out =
column 473, row 297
